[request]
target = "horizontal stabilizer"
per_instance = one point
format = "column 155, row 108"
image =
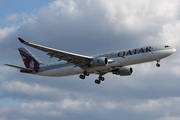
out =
column 21, row 68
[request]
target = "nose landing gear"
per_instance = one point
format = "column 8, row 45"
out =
column 158, row 65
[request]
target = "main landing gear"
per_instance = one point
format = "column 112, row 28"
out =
column 158, row 65
column 85, row 73
column 98, row 81
column 82, row 76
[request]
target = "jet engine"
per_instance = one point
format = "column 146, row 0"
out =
column 101, row 61
column 123, row 71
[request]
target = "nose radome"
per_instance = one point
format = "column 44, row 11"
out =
column 173, row 50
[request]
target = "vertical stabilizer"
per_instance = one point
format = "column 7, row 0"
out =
column 30, row 61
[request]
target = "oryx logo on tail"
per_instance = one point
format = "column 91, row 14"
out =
column 30, row 61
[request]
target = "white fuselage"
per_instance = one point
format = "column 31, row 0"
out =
column 120, row 59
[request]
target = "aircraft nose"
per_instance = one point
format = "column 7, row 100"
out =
column 172, row 51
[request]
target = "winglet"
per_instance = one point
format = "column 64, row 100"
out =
column 21, row 40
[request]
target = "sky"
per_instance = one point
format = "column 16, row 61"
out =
column 90, row 27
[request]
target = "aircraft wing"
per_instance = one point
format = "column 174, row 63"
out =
column 78, row 60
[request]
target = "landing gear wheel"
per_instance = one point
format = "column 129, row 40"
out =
column 158, row 65
column 101, row 78
column 86, row 73
column 97, row 81
column 82, row 76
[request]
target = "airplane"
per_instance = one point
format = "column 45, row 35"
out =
column 70, row 63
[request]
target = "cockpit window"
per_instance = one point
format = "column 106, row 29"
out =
column 166, row 46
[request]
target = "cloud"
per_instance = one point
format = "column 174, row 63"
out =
column 170, row 33
column 148, row 106
column 47, row 109
column 6, row 70
column 91, row 27
column 67, row 108
column 64, row 6
column 170, row 118
column 142, row 17
column 13, row 17
column 5, row 32
column 34, row 91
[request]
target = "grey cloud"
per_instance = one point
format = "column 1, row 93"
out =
column 68, row 109
column 92, row 27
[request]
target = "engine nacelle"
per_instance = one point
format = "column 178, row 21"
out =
column 101, row 61
column 123, row 71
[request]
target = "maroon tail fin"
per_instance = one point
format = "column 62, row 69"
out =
column 30, row 61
